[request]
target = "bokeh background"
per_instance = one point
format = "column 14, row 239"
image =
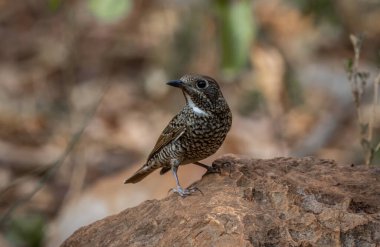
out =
column 83, row 97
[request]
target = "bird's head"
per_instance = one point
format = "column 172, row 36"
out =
column 202, row 91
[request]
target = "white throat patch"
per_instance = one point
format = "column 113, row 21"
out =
column 198, row 111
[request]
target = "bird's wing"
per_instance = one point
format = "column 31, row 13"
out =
column 173, row 131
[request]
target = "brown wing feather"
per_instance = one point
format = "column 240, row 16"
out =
column 173, row 131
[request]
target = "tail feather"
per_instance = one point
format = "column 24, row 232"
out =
column 140, row 174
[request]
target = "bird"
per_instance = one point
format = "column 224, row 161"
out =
column 194, row 134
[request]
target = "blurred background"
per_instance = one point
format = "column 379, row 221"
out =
column 83, row 97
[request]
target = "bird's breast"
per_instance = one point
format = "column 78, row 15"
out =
column 207, row 131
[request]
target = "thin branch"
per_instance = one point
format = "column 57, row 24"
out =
column 376, row 84
column 354, row 74
column 358, row 80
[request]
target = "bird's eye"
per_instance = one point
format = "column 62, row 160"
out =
column 202, row 84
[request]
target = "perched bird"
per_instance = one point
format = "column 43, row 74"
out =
column 195, row 133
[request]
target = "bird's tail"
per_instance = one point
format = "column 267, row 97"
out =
column 144, row 171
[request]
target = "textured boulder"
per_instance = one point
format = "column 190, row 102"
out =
column 276, row 202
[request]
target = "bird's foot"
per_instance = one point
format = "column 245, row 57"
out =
column 212, row 169
column 185, row 192
column 219, row 166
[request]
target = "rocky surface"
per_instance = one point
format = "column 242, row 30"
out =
column 276, row 202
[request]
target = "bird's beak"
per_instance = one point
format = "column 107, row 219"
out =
column 176, row 83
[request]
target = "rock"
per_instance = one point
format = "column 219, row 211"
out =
column 276, row 202
column 109, row 195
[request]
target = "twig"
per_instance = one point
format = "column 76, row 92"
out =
column 358, row 80
column 376, row 84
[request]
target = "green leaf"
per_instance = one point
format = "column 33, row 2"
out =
column 237, row 32
column 54, row 4
column 349, row 65
column 377, row 148
column 26, row 230
column 110, row 10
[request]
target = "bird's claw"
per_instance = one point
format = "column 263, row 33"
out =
column 219, row 166
column 213, row 169
column 185, row 192
column 210, row 169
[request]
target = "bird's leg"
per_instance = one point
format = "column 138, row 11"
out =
column 182, row 192
column 210, row 169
